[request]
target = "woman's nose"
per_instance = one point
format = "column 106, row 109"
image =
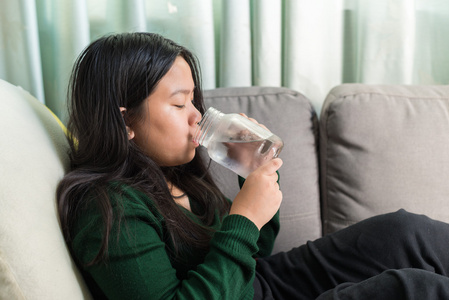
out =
column 196, row 116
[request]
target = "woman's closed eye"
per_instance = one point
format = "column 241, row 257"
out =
column 183, row 105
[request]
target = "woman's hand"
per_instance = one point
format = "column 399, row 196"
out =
column 260, row 197
column 255, row 121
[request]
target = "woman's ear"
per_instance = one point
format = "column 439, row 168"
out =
column 128, row 129
column 130, row 133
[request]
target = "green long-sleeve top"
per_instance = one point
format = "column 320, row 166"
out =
column 139, row 265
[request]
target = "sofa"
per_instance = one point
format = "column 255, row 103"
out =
column 373, row 149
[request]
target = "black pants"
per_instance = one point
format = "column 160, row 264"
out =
column 392, row 256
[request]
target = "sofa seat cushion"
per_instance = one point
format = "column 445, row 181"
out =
column 384, row 148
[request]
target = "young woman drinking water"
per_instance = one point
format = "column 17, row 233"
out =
column 144, row 219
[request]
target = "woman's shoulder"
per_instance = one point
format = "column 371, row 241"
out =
column 122, row 193
column 130, row 199
column 129, row 208
column 124, row 201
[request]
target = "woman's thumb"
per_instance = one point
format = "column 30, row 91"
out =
column 273, row 165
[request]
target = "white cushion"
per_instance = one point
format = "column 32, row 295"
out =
column 34, row 260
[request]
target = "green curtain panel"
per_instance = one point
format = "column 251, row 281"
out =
column 307, row 45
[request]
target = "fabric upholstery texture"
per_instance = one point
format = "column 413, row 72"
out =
column 384, row 148
column 291, row 116
column 34, row 261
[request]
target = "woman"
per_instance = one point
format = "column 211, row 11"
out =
column 144, row 219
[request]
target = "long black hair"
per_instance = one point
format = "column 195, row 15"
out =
column 122, row 70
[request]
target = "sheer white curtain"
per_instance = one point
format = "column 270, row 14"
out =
column 307, row 45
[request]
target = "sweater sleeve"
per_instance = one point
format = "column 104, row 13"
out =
column 268, row 232
column 138, row 266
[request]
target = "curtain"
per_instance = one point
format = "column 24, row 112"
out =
column 307, row 45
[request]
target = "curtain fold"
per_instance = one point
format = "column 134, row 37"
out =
column 388, row 40
column 235, row 55
column 267, row 43
column 63, row 34
column 20, row 61
column 134, row 13
column 28, row 10
column 313, row 47
column 309, row 46
column 190, row 23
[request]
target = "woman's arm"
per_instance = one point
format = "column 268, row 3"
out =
column 268, row 232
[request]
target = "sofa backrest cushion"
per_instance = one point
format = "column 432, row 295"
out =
column 384, row 148
column 289, row 115
column 34, row 260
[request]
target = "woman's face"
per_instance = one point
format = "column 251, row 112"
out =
column 170, row 119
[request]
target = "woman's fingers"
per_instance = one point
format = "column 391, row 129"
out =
column 255, row 121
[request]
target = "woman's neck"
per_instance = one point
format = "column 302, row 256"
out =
column 179, row 196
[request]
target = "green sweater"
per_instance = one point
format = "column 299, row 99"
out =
column 140, row 267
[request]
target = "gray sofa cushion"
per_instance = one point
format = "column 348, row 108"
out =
column 384, row 148
column 291, row 116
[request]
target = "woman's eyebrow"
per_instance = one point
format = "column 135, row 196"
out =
column 182, row 91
